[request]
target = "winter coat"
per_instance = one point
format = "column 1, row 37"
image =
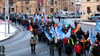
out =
column 33, row 40
column 70, row 41
column 77, row 48
column 52, row 45
column 60, row 44
column 74, row 38
column 68, row 50
column 95, row 51
column 83, row 43
column 87, row 45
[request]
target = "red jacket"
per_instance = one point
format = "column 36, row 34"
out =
column 77, row 48
column 34, row 31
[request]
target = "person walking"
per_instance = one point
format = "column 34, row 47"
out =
column 75, row 23
column 78, row 49
column 87, row 46
column 95, row 50
column 83, row 41
column 69, row 50
column 33, row 42
column 60, row 46
column 52, row 47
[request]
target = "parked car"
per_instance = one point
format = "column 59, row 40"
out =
column 72, row 15
column 94, row 16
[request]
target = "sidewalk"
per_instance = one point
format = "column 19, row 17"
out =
column 2, row 30
column 89, row 23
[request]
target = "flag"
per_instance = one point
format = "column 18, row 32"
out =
column 23, row 17
column 66, row 24
column 59, row 26
column 59, row 33
column 33, row 18
column 62, row 21
column 91, row 36
column 30, row 28
column 43, row 11
column 77, row 28
column 47, row 35
column 68, row 33
column 97, row 28
column 52, row 31
column 40, row 27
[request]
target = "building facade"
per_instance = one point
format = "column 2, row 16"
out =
column 89, row 7
column 32, row 6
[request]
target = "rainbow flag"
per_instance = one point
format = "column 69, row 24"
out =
column 77, row 28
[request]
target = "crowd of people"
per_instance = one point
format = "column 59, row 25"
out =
column 78, row 42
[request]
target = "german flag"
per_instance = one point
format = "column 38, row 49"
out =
column 77, row 28
column 30, row 28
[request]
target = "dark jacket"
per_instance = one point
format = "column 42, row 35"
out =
column 52, row 45
column 68, row 49
column 87, row 45
column 60, row 44
column 74, row 38
column 95, row 51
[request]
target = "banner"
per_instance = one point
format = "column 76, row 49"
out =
column 91, row 36
column 97, row 28
column 68, row 33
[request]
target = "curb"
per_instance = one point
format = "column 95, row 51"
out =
column 88, row 23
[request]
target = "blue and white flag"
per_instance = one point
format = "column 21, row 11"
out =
column 23, row 17
column 47, row 35
column 97, row 25
column 33, row 18
column 59, row 26
column 59, row 33
column 66, row 24
column 40, row 27
column 68, row 34
column 62, row 21
column 91, row 36
column 52, row 31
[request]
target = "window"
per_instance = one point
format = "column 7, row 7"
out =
column 98, row 8
column 55, row 2
column 39, row 8
column 88, row 0
column 97, row 0
column 52, row 10
column 52, row 2
column 27, row 8
column 97, row 15
column 13, row 9
column 11, row 2
column 27, row 1
column 88, row 10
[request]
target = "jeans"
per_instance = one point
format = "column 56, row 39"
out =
column 87, row 53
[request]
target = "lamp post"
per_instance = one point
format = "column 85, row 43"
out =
column 7, row 15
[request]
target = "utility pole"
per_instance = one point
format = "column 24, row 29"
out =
column 7, row 15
